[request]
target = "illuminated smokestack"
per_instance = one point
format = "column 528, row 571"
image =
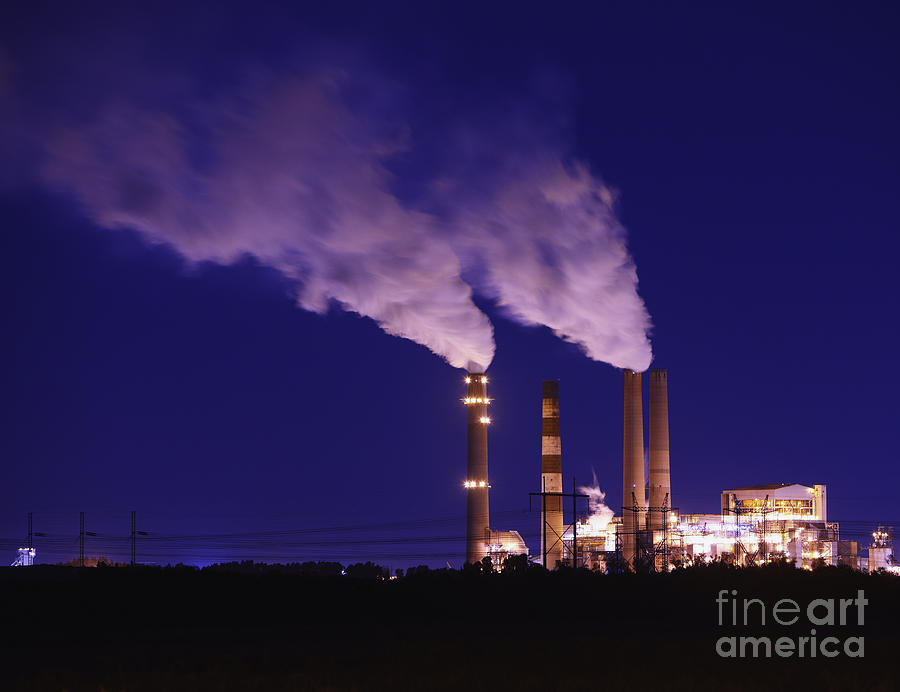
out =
column 477, row 485
column 551, row 476
column 660, row 483
column 633, row 466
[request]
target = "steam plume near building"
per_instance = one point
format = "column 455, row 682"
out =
column 296, row 170
column 600, row 513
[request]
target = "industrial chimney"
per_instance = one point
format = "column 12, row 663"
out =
column 477, row 486
column 551, row 477
column 660, row 483
column 633, row 500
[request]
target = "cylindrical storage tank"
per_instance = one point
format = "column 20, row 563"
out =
column 477, row 485
column 660, row 482
column 551, row 477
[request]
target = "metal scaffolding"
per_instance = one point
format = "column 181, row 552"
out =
column 653, row 548
column 555, row 536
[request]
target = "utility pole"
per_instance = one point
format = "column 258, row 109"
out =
column 665, row 523
column 544, row 522
column 30, row 541
column 133, row 532
column 81, row 537
column 637, row 531
column 559, row 538
column 574, row 525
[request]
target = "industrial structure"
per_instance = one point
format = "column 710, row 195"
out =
column 504, row 544
column 633, row 487
column 551, row 477
column 660, row 482
column 756, row 524
column 481, row 541
column 762, row 523
column 24, row 558
column 477, row 486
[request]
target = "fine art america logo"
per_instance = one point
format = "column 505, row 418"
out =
column 832, row 613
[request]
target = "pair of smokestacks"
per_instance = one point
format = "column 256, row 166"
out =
column 477, row 484
column 637, row 515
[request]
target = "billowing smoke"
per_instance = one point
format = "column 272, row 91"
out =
column 296, row 173
column 601, row 515
column 553, row 253
column 294, row 177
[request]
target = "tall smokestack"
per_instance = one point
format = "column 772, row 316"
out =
column 633, row 467
column 551, row 476
column 477, row 486
column 660, row 483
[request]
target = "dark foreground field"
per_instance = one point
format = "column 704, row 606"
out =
column 154, row 629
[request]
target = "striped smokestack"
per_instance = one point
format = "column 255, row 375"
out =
column 660, row 484
column 551, row 476
column 477, row 486
column 633, row 467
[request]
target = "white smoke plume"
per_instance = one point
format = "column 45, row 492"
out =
column 553, row 253
column 295, row 173
column 296, row 179
column 601, row 515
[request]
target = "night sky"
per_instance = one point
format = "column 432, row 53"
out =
column 755, row 159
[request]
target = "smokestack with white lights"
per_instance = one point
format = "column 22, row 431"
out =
column 660, row 483
column 551, row 476
column 633, row 468
column 477, row 485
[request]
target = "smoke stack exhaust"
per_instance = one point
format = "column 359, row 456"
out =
column 633, row 499
column 477, row 486
column 551, row 476
column 660, row 483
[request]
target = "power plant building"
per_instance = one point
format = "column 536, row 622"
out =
column 761, row 523
column 756, row 524
column 504, row 544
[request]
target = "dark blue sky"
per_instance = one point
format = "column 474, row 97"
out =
column 757, row 157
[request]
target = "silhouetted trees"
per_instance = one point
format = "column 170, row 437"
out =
column 366, row 570
column 516, row 564
column 421, row 570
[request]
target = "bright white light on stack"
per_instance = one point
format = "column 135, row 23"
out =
column 476, row 400
column 476, row 484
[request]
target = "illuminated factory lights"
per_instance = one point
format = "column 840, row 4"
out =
column 485, row 420
column 469, row 400
column 468, row 380
column 476, row 484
